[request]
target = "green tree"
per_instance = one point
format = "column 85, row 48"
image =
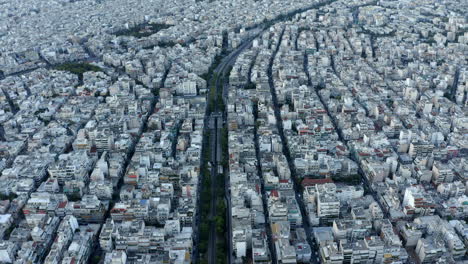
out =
column 10, row 196
column 204, row 230
column 95, row 259
column 219, row 220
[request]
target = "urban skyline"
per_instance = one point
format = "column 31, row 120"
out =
column 247, row 131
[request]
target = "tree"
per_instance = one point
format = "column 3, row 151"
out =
column 74, row 197
column 219, row 220
column 204, row 230
column 78, row 68
column 10, row 196
column 221, row 207
column 143, row 30
column 250, row 86
column 221, row 105
column 363, row 54
column 95, row 259
column 7, row 233
column 203, row 246
column 221, row 252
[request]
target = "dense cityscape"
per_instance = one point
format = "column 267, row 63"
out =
column 246, row 131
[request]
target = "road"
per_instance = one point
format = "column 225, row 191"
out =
column 264, row 194
column 453, row 88
column 215, row 125
column 219, row 118
column 364, row 180
column 296, row 186
column 214, row 145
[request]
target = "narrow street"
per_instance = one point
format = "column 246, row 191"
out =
column 295, row 180
column 214, row 122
